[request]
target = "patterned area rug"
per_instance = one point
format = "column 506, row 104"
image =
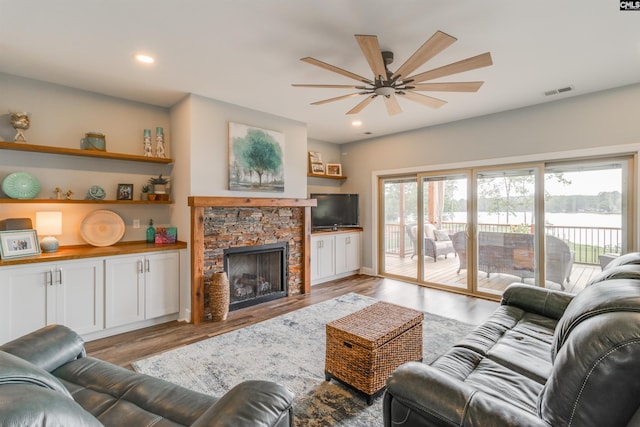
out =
column 290, row 350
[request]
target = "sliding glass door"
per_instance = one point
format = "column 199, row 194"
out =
column 444, row 228
column 549, row 224
column 506, row 227
column 399, row 214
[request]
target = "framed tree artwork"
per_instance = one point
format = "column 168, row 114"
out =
column 256, row 159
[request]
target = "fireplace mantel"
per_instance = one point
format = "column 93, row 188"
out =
column 198, row 205
column 205, row 201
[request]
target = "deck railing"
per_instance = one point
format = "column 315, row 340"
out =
column 587, row 242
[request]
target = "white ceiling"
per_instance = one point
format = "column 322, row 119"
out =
column 246, row 52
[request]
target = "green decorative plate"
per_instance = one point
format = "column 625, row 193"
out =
column 21, row 185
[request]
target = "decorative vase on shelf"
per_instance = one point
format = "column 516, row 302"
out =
column 160, row 143
column 148, row 148
column 219, row 296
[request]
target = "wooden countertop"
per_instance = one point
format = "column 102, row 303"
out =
column 87, row 251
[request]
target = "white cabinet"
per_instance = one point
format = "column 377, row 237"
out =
column 334, row 255
column 347, row 252
column 35, row 295
column 322, row 256
column 140, row 287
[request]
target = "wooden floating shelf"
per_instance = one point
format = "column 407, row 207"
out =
column 89, row 201
column 19, row 146
column 315, row 175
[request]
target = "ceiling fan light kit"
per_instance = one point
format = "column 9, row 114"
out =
column 390, row 85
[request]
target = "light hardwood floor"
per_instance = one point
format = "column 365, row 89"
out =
column 126, row 348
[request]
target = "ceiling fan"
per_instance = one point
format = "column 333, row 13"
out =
column 388, row 84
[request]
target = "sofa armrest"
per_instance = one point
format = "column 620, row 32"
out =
column 251, row 403
column 47, row 348
column 546, row 302
column 422, row 395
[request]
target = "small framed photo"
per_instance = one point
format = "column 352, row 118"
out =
column 334, row 169
column 17, row 243
column 315, row 157
column 317, row 168
column 125, row 192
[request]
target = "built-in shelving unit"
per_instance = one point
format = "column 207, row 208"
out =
column 16, row 146
column 90, row 201
column 96, row 154
column 315, row 175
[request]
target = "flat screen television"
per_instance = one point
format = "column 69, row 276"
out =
column 334, row 210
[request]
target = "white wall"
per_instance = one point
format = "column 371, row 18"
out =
column 589, row 122
column 210, row 148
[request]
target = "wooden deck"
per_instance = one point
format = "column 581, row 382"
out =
column 444, row 272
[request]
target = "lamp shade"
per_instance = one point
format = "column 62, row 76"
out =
column 49, row 223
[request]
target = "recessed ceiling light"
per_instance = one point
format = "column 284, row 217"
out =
column 356, row 123
column 145, row 59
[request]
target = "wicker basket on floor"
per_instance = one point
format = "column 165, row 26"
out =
column 364, row 348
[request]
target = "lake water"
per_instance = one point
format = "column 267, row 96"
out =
column 557, row 219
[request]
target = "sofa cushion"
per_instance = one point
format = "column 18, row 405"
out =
column 625, row 271
column 442, row 235
column 608, row 296
column 31, row 405
column 15, row 370
column 430, row 231
column 491, row 378
column 118, row 396
column 594, row 380
column 515, row 339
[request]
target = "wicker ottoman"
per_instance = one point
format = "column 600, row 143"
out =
column 365, row 347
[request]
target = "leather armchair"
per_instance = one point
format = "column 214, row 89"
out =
column 46, row 379
column 544, row 358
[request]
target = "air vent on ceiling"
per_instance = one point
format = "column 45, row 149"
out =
column 557, row 91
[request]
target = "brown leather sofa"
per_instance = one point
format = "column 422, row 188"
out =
column 46, row 379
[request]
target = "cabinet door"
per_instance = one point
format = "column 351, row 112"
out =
column 80, row 295
column 322, row 257
column 124, row 290
column 25, row 300
column 347, row 252
column 162, row 284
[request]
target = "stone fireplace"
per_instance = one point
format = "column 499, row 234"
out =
column 229, row 223
column 256, row 274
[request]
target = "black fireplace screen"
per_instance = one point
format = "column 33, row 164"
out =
column 256, row 273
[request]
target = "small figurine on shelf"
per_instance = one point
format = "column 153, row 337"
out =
column 151, row 232
column 20, row 122
column 147, row 143
column 58, row 193
column 160, row 143
column 68, row 194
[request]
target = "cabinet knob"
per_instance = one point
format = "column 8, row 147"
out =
column 59, row 276
column 147, row 265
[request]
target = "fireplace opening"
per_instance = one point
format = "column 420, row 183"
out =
column 256, row 274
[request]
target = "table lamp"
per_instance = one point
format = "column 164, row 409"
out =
column 49, row 224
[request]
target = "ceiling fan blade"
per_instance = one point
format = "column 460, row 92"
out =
column 371, row 50
column 391, row 102
column 472, row 63
column 335, row 69
column 361, row 105
column 330, row 86
column 338, row 98
column 424, row 99
column 448, row 87
column 436, row 44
